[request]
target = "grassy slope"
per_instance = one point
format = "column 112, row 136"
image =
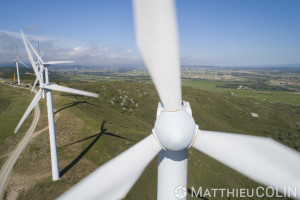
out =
column 13, row 103
column 81, row 149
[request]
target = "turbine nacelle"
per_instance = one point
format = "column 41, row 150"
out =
column 175, row 130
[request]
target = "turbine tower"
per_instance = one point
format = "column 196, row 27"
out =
column 48, row 88
column 17, row 61
column 175, row 131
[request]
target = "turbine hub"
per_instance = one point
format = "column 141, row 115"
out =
column 175, row 131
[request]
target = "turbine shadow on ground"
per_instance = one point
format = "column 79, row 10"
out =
column 96, row 136
column 73, row 104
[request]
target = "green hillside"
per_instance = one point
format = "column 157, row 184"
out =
column 13, row 103
column 126, row 112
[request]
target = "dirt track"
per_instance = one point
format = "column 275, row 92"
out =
column 9, row 164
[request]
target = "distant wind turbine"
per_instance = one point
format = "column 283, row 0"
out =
column 17, row 61
column 48, row 88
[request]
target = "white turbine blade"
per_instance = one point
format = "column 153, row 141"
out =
column 38, row 57
column 34, row 51
column 40, row 74
column 31, row 58
column 39, row 48
column 261, row 159
column 156, row 32
column 17, row 53
column 23, row 63
column 69, row 90
column 35, row 82
column 41, row 69
column 57, row 62
column 29, row 109
column 114, row 179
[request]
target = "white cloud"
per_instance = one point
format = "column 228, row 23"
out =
column 32, row 27
column 82, row 53
column 77, row 48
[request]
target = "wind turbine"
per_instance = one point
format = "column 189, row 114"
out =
column 48, row 88
column 175, row 131
column 16, row 61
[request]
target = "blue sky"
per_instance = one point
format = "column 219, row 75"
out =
column 212, row 32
